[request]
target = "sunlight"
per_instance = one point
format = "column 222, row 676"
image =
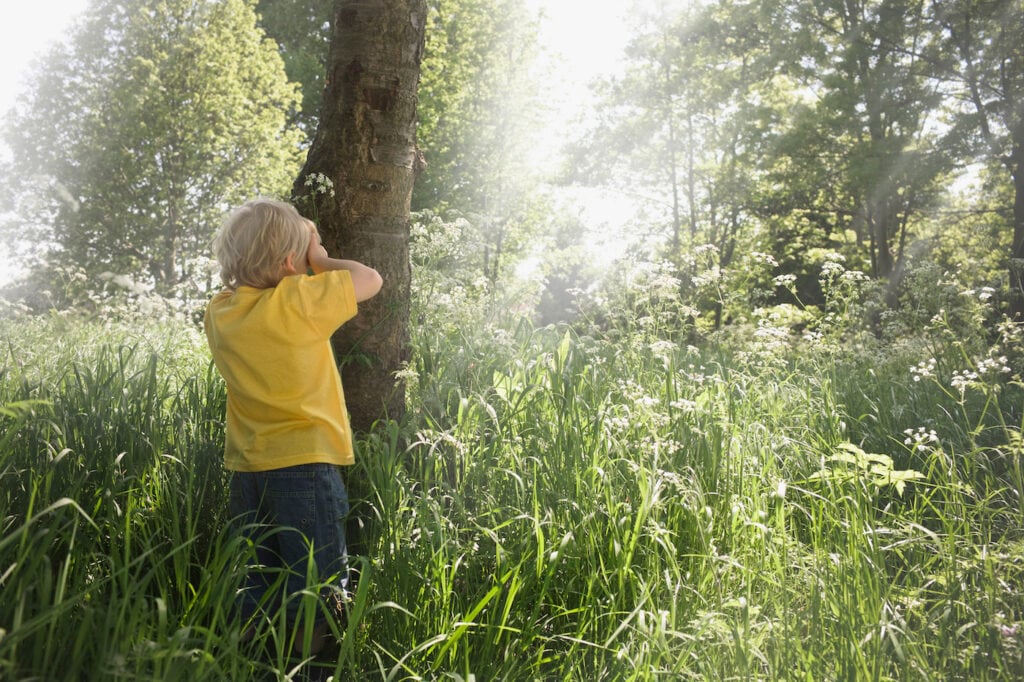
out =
column 581, row 42
column 26, row 32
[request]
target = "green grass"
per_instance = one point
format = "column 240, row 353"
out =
column 558, row 506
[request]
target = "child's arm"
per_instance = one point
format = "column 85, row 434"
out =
column 366, row 281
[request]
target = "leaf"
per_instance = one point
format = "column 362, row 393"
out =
column 874, row 467
column 899, row 479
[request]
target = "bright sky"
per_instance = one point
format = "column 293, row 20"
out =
column 27, row 30
column 588, row 35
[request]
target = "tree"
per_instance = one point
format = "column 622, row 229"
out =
column 646, row 132
column 365, row 145
column 302, row 30
column 687, row 123
column 478, row 105
column 985, row 55
column 868, row 63
column 154, row 119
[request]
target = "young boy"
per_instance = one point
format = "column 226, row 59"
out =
column 287, row 430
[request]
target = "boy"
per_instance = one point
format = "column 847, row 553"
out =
column 287, row 430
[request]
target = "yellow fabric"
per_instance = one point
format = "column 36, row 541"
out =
column 286, row 405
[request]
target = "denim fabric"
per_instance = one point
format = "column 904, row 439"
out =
column 285, row 512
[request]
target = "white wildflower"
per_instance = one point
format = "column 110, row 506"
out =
column 764, row 258
column 962, row 380
column 924, row 369
column 920, row 437
column 785, row 281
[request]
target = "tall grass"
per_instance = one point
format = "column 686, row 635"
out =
column 114, row 564
column 582, row 505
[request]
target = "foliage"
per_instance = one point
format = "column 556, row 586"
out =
column 141, row 131
column 302, row 31
column 687, row 123
column 479, row 106
column 986, row 61
column 874, row 109
column 790, row 128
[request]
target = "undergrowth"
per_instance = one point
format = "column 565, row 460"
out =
column 598, row 502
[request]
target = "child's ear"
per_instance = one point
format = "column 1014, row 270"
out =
column 289, row 264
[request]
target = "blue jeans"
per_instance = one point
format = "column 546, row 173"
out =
column 291, row 515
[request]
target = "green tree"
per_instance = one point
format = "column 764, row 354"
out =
column 984, row 58
column 644, row 138
column 686, row 125
column 302, row 30
column 478, row 108
column 870, row 126
column 139, row 133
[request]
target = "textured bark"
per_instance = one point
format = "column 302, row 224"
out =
column 366, row 144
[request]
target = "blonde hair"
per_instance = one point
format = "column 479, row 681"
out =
column 255, row 241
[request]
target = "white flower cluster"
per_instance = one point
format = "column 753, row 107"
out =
column 924, row 369
column 766, row 258
column 785, row 281
column 993, row 366
column 920, row 437
column 963, row 379
column 320, row 183
column 983, row 294
column 683, row 405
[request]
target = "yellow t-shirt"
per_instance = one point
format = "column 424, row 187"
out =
column 272, row 346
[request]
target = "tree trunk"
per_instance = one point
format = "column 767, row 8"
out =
column 365, row 144
column 881, row 231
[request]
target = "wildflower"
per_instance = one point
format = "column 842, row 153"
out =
column 767, row 258
column 785, row 281
column 924, row 369
column 320, row 183
column 814, row 336
column 963, row 379
column 648, row 401
column 996, row 365
column 663, row 347
column 683, row 405
column 920, row 437
column 709, row 276
column 831, row 269
column 854, row 276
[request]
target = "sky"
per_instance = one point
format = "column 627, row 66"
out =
column 27, row 30
column 589, row 35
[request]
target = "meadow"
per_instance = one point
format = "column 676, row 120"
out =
column 615, row 500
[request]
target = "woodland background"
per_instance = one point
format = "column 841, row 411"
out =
column 764, row 424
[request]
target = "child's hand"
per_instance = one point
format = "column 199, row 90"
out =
column 316, row 254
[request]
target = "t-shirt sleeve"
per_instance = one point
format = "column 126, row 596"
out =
column 326, row 300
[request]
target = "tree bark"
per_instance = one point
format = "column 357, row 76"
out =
column 366, row 145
